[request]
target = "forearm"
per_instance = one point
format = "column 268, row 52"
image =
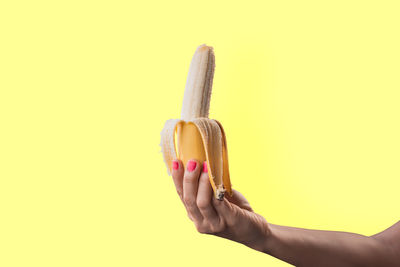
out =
column 303, row 247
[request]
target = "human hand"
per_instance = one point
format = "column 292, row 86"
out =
column 231, row 218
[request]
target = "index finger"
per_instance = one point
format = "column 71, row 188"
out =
column 177, row 176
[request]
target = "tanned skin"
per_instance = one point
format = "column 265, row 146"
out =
column 234, row 219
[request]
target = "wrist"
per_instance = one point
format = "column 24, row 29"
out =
column 269, row 239
column 262, row 242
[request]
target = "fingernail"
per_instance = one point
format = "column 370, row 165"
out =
column 175, row 165
column 191, row 165
column 205, row 169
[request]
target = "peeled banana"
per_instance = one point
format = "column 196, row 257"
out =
column 195, row 136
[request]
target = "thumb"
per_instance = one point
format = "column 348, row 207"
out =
column 226, row 210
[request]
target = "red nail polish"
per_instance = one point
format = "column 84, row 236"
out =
column 175, row 165
column 191, row 165
column 205, row 169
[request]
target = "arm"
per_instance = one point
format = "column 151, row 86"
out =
column 234, row 219
column 303, row 247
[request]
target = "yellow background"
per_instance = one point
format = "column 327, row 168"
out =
column 307, row 91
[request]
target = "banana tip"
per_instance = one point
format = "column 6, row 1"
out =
column 204, row 47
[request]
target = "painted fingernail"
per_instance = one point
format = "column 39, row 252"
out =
column 191, row 165
column 205, row 169
column 175, row 165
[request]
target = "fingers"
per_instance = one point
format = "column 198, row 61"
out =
column 177, row 176
column 190, row 186
column 204, row 198
column 193, row 186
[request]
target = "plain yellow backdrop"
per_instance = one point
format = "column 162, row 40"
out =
column 307, row 91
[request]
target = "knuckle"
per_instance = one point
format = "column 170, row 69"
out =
column 208, row 228
column 214, row 229
column 202, row 229
column 202, row 203
column 218, row 227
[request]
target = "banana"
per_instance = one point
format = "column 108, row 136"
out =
column 195, row 136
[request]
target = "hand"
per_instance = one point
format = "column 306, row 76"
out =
column 231, row 218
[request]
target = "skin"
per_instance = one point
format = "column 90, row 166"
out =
column 233, row 219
